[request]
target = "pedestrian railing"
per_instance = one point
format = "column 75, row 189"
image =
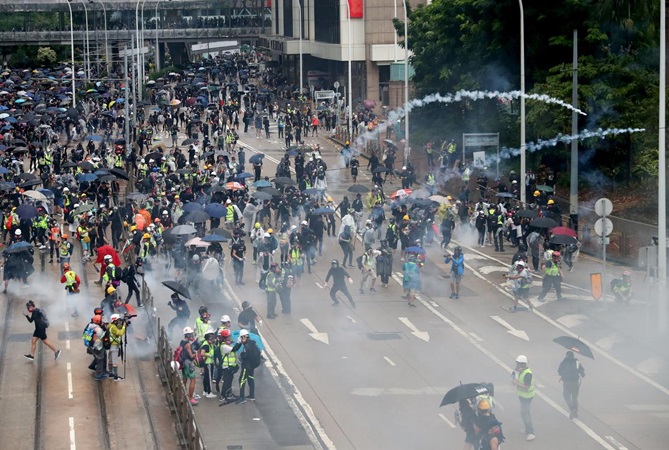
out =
column 187, row 428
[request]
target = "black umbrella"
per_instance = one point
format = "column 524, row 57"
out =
column 18, row 150
column 214, row 238
column 504, row 195
column 178, row 288
column 86, row 165
column 25, row 176
column 181, row 230
column 120, row 173
column 189, row 141
column 575, row 345
column 107, row 178
column 562, row 239
column 543, row 222
column 197, row 217
column 323, row 210
column 156, row 156
column 358, row 188
column 260, row 195
column 528, row 213
column 68, row 164
column 26, row 211
column 30, row 183
column 285, row 180
column 19, row 247
column 270, row 191
column 464, row 392
column 381, row 169
column 138, row 196
column 221, row 232
column 256, row 159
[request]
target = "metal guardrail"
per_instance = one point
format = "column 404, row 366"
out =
column 187, row 428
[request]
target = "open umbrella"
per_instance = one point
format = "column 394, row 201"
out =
column 562, row 239
column 192, row 207
column 543, row 188
column 262, row 195
column 543, row 222
column 68, row 164
column 464, row 392
column 575, row 345
column 137, row 196
column 37, row 195
column 256, row 159
column 417, row 250
column 216, row 210
column 25, row 176
column 197, row 217
column 178, row 288
column 106, row 178
column 180, row 230
column 420, row 193
column 234, row 186
column 197, row 242
column 285, row 180
column 214, row 238
column 235, row 335
column 504, row 195
column 528, row 213
column 262, row 184
column 189, row 142
column 221, row 232
column 401, row 193
column 440, row 199
column 86, row 165
column 82, row 209
column 86, row 177
column 243, row 175
column 310, row 191
column 358, row 189
column 120, row 173
column 381, row 169
column 26, row 211
column 30, row 183
column 323, row 210
column 48, row 193
column 19, row 247
column 564, row 230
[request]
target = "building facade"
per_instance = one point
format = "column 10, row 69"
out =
column 329, row 37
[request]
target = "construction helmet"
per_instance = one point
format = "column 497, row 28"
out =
column 146, row 236
column 97, row 319
column 188, row 330
column 243, row 333
column 522, row 359
column 225, row 333
column 484, row 405
column 64, row 236
column 111, row 290
column 115, row 317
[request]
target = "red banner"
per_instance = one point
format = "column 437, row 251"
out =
column 356, row 7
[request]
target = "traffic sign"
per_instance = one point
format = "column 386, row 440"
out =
column 336, row 84
column 603, row 240
column 603, row 227
column 603, row 207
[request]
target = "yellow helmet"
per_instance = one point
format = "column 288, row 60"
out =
column 551, row 202
column 406, row 217
column 484, row 405
column 537, row 193
column 111, row 290
column 133, row 227
column 269, row 230
column 257, row 225
column 146, row 236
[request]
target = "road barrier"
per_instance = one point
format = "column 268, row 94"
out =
column 186, row 425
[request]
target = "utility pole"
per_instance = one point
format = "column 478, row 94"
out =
column 573, row 179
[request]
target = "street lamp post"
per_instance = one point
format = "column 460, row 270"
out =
column 350, row 82
column 157, row 48
column 523, row 190
column 407, row 149
column 87, row 48
column 139, row 90
column 141, row 32
column 104, row 12
column 74, row 98
column 299, row 7
column 662, row 180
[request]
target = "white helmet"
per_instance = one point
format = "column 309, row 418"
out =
column 196, row 257
column 115, row 317
column 225, row 318
column 520, row 263
column 108, row 257
column 188, row 330
column 522, row 359
column 175, row 365
column 142, row 160
column 165, row 213
column 18, row 233
column 243, row 333
column 66, row 189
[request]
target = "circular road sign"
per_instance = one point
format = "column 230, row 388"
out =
column 603, row 227
column 603, row 207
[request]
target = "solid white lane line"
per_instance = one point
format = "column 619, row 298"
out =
column 351, row 319
column 67, row 344
column 70, row 390
column 389, row 361
column 447, row 420
column 319, row 285
column 475, row 336
column 73, row 442
column 298, row 404
column 618, row 445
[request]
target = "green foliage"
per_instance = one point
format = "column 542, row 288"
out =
column 46, row 56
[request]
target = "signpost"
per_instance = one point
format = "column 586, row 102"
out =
column 603, row 228
column 480, row 140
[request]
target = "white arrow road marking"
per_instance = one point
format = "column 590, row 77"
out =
column 446, row 419
column 321, row 337
column 609, row 341
column 650, row 366
column 490, row 269
column 424, row 335
column 319, row 285
column 389, row 361
column 510, row 329
column 572, row 320
column 618, row 445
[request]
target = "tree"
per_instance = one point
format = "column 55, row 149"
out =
column 46, row 56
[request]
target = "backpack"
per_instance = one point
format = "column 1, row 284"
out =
column 178, row 355
column 290, row 281
column 262, row 284
column 252, row 354
column 359, row 261
column 43, row 319
column 125, row 275
column 106, row 340
column 88, row 335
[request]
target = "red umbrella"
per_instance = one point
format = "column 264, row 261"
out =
column 564, row 230
column 104, row 251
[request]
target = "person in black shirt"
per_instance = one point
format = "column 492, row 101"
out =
column 248, row 318
column 571, row 371
column 38, row 317
column 339, row 277
column 237, row 253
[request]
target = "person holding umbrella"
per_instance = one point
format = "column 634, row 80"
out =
column 180, row 306
column 571, row 371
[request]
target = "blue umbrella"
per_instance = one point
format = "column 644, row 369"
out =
column 7, row 128
column 86, row 177
column 292, row 153
column 11, row 120
column 262, row 183
column 313, row 191
column 94, row 137
column 48, row 193
column 120, row 100
column 216, row 210
column 243, row 175
column 214, row 238
column 255, row 337
column 4, row 170
column 255, row 159
column 3, row 108
column 7, row 186
column 26, row 211
column 3, row 148
column 19, row 247
column 418, row 250
column 323, row 210
column 192, row 206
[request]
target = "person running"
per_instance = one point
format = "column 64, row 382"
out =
column 411, row 281
column 571, row 372
column 522, row 280
column 38, row 317
column 339, row 276
column 72, row 283
column 180, row 306
column 552, row 278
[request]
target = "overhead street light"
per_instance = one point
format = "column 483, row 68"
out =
column 350, row 83
column 87, row 49
column 157, row 43
column 104, row 11
column 407, row 149
column 74, row 69
column 523, row 147
column 299, row 7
